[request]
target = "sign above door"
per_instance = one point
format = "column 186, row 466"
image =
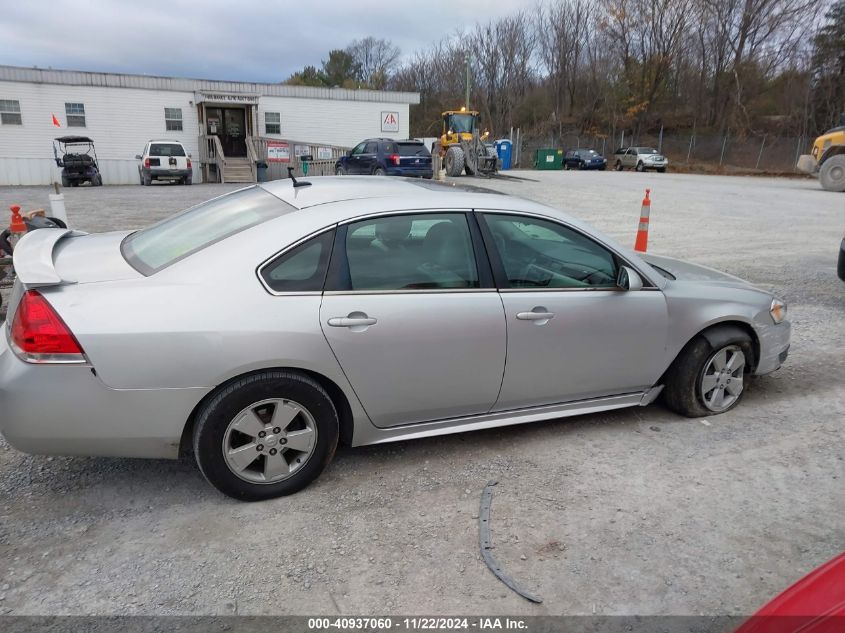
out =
column 242, row 98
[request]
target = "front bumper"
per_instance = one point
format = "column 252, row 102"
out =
column 68, row 410
column 774, row 346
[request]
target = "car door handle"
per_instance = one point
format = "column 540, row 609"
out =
column 535, row 316
column 352, row 321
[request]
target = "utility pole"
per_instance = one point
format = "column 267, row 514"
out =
column 466, row 101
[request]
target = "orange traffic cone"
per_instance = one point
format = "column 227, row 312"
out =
column 641, row 243
column 17, row 225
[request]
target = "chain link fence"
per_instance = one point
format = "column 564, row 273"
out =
column 767, row 153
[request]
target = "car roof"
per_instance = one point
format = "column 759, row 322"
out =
column 165, row 140
column 326, row 190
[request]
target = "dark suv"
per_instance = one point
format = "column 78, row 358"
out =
column 386, row 157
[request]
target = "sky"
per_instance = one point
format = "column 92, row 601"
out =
column 222, row 39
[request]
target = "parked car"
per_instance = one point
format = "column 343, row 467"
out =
column 258, row 329
column 164, row 160
column 386, row 157
column 814, row 604
column 584, row 159
column 640, row 158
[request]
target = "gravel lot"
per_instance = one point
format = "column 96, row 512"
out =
column 631, row 512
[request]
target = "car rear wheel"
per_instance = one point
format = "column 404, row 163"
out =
column 266, row 435
column 148, row 180
column 708, row 379
column 378, row 171
column 618, row 165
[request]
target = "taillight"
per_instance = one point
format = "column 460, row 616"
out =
column 147, row 163
column 394, row 158
column 40, row 336
column 189, row 163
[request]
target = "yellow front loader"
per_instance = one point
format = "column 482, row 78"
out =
column 827, row 159
column 463, row 148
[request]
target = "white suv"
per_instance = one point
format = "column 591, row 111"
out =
column 165, row 160
column 640, row 158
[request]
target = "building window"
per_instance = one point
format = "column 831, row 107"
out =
column 75, row 114
column 10, row 112
column 173, row 119
column 272, row 123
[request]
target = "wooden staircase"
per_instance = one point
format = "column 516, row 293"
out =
column 238, row 170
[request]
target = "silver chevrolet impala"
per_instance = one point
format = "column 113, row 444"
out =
column 260, row 328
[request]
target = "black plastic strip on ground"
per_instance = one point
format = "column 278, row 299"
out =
column 487, row 544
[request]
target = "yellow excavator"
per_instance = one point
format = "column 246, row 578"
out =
column 827, row 158
column 463, row 148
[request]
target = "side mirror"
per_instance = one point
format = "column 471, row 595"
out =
column 629, row 279
column 138, row 157
column 349, row 152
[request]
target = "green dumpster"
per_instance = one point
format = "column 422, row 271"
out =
column 548, row 159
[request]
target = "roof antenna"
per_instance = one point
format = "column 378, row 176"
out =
column 297, row 183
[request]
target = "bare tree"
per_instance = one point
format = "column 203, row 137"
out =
column 376, row 59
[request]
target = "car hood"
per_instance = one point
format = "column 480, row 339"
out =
column 685, row 271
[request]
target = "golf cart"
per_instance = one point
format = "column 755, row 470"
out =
column 78, row 161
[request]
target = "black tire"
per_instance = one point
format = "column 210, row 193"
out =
column 340, row 170
column 640, row 166
column 580, row 166
column 619, row 165
column 188, row 180
column 379, row 171
column 97, row 181
column 215, row 416
column 148, row 180
column 141, row 177
column 565, row 166
column 74, row 183
column 661, row 170
column 454, row 161
column 65, row 181
column 683, row 380
column 832, row 173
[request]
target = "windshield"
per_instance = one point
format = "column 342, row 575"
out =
column 166, row 242
column 167, row 149
column 461, row 122
column 588, row 152
column 646, row 150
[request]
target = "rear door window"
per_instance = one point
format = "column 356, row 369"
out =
column 371, row 148
column 301, row 269
column 164, row 243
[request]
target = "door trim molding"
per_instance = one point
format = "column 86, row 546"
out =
column 375, row 435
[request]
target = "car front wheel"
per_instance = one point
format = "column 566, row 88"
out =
column 640, row 166
column 709, row 378
column 618, row 165
column 340, row 170
column 266, row 435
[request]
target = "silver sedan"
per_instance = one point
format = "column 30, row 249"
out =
column 259, row 329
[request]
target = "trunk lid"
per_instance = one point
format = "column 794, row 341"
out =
column 54, row 257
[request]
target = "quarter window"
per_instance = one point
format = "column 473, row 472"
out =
column 301, row 269
column 541, row 254
column 10, row 112
column 411, row 252
column 173, row 119
column 75, row 113
column 272, row 123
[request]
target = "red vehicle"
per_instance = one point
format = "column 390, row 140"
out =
column 814, row 604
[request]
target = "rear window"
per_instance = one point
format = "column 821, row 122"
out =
column 166, row 149
column 413, row 149
column 166, row 242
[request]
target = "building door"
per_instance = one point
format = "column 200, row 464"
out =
column 230, row 125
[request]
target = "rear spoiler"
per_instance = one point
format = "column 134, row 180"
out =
column 33, row 257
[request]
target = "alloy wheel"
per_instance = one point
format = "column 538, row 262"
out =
column 721, row 381
column 269, row 441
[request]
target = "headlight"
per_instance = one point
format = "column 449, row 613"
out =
column 778, row 311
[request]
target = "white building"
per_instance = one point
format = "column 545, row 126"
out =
column 236, row 119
